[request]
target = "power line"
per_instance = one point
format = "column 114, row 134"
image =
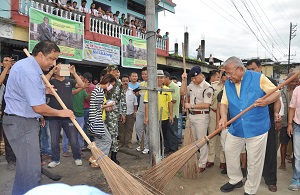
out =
column 286, row 8
column 256, row 24
column 224, row 16
column 282, row 11
column 276, row 44
column 229, row 14
column 251, row 29
column 272, row 25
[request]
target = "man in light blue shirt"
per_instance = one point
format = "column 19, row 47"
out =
column 25, row 98
column 133, row 84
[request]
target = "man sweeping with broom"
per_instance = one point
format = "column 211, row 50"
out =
column 242, row 90
column 25, row 102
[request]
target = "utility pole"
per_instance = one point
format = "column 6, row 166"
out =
column 292, row 35
column 154, row 134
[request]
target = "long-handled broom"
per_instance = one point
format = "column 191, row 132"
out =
column 161, row 174
column 120, row 181
column 190, row 168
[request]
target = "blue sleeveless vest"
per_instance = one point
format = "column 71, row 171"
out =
column 254, row 122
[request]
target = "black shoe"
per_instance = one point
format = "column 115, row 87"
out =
column 244, row 172
column 167, row 150
column 224, row 171
column 229, row 187
column 114, row 158
column 246, row 193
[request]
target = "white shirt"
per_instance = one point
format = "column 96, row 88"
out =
column 94, row 11
column 105, row 17
column 131, row 101
column 83, row 9
column 110, row 19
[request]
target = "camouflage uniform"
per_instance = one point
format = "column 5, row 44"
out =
column 117, row 95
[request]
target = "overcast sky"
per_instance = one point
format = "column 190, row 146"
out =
column 227, row 34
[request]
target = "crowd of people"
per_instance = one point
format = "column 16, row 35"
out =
column 108, row 109
column 106, row 15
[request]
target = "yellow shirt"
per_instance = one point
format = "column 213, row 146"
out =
column 103, row 110
column 163, row 99
column 265, row 84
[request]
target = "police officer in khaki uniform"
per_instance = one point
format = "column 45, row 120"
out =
column 200, row 95
column 213, row 142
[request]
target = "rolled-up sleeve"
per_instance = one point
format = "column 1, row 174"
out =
column 266, row 85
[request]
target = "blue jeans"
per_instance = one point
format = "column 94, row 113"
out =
column 180, row 127
column 72, row 134
column 65, row 140
column 45, row 139
column 296, row 147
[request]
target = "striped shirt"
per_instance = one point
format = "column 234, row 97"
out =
column 96, row 125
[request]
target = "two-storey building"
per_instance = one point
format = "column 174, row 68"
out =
column 15, row 23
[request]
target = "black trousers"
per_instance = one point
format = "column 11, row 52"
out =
column 170, row 132
column 270, row 165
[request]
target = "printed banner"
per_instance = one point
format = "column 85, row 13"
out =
column 134, row 52
column 101, row 52
column 67, row 34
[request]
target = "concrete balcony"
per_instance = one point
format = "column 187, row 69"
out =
column 96, row 29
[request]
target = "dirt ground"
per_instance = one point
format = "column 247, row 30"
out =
column 137, row 163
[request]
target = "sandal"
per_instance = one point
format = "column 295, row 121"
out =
column 65, row 154
column 93, row 162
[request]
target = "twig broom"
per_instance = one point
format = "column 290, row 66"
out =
column 161, row 174
column 120, row 181
column 190, row 168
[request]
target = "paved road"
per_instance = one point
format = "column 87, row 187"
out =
column 135, row 162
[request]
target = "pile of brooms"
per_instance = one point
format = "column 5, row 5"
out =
column 155, row 180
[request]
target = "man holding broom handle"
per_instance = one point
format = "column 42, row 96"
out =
column 25, row 103
column 242, row 90
column 200, row 95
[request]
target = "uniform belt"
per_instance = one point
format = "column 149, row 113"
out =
column 199, row 112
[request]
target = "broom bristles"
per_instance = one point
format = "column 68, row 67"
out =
column 190, row 168
column 119, row 180
column 158, row 177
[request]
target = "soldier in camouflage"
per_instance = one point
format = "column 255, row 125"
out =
column 117, row 95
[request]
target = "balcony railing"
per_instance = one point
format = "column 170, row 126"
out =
column 105, row 27
column 95, row 24
column 45, row 6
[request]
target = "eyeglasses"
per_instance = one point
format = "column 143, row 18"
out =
column 231, row 73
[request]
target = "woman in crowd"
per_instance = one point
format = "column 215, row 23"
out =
column 97, row 127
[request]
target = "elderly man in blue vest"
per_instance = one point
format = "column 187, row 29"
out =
column 242, row 89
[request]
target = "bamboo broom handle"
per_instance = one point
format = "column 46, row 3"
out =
column 62, row 103
column 251, row 106
column 183, row 58
column 184, row 71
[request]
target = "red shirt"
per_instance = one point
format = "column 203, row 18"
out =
column 89, row 91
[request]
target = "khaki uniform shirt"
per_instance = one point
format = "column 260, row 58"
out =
column 201, row 93
column 217, row 88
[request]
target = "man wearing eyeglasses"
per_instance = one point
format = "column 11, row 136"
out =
column 243, row 89
column 270, row 165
